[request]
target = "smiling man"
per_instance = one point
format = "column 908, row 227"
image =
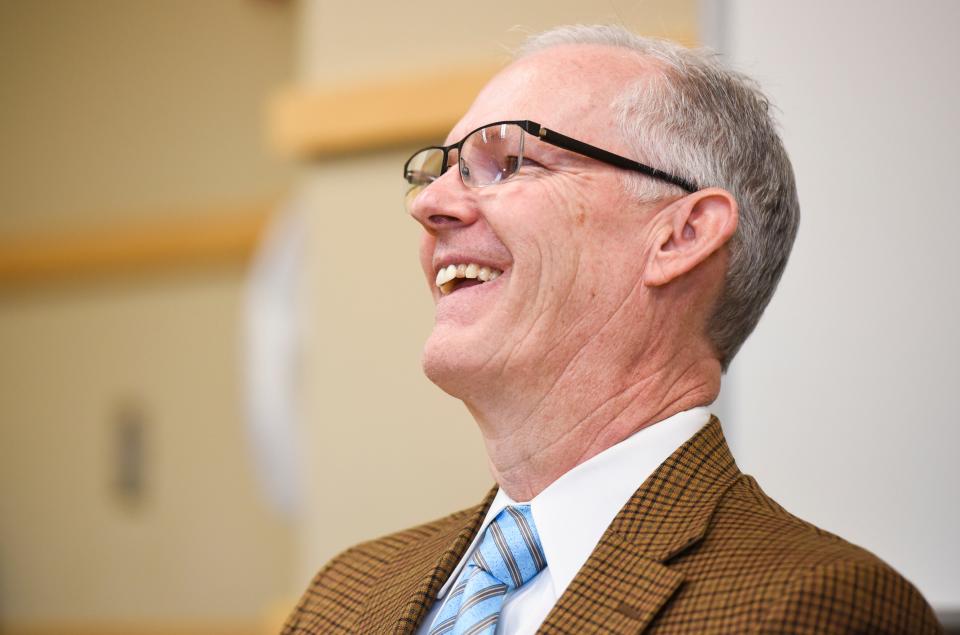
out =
column 602, row 231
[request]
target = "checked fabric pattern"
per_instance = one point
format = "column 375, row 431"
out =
column 509, row 555
column 699, row 549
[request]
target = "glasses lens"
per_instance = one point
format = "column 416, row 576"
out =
column 421, row 170
column 424, row 167
column 491, row 155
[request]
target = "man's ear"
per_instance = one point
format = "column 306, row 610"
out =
column 692, row 229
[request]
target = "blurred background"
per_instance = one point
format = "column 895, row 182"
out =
column 211, row 312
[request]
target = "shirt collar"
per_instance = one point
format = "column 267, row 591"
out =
column 572, row 513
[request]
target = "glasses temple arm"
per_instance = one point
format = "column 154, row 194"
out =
column 587, row 150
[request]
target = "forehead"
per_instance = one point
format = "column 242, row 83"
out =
column 569, row 88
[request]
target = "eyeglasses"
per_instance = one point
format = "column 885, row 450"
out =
column 493, row 153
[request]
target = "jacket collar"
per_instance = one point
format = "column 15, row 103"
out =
column 627, row 579
column 624, row 583
column 407, row 585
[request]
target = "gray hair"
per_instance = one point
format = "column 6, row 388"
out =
column 709, row 124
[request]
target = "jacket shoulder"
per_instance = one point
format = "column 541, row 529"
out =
column 850, row 596
column 334, row 599
column 796, row 577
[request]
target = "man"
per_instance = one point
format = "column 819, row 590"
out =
column 586, row 306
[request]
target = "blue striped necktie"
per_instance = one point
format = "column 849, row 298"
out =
column 509, row 555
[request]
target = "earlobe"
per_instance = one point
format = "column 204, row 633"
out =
column 694, row 228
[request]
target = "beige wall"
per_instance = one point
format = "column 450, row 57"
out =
column 201, row 546
column 386, row 449
column 111, row 110
column 341, row 41
column 114, row 107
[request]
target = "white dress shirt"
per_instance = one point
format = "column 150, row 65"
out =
column 572, row 514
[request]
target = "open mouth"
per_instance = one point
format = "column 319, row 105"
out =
column 458, row 276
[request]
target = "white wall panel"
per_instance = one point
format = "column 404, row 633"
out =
column 843, row 403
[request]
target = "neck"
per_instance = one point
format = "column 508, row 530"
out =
column 582, row 414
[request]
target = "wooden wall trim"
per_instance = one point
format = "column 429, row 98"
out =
column 206, row 237
column 310, row 122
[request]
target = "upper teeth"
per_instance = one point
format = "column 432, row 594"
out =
column 446, row 275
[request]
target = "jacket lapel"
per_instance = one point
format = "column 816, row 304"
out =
column 627, row 580
column 408, row 584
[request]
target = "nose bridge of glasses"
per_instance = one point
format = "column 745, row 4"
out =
column 452, row 155
column 441, row 196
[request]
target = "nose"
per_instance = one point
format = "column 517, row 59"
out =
column 445, row 204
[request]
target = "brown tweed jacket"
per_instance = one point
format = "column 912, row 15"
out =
column 699, row 548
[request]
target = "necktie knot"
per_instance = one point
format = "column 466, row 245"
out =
column 510, row 550
column 509, row 555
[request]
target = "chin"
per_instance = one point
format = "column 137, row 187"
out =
column 451, row 363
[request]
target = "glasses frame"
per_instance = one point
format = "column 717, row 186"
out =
column 554, row 138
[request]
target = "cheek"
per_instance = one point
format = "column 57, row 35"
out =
column 596, row 241
column 576, row 225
